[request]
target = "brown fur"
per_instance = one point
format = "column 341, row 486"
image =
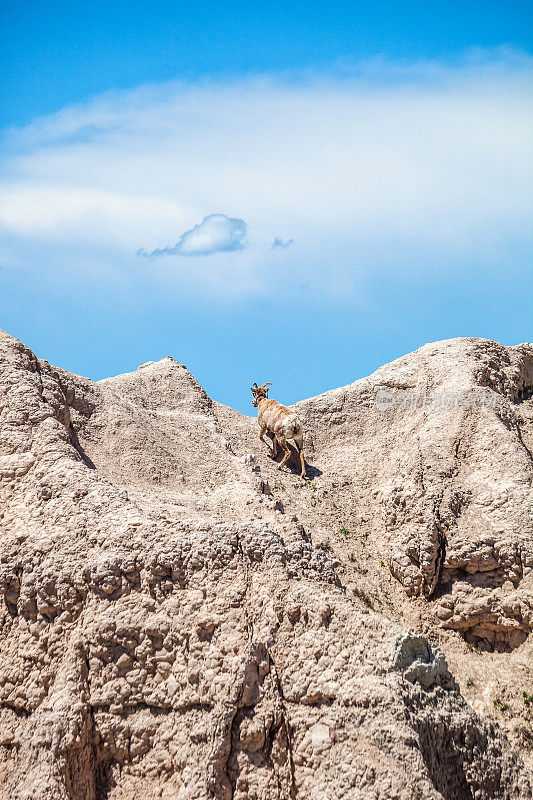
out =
column 281, row 422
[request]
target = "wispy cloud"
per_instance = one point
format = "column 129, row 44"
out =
column 216, row 233
column 383, row 168
column 281, row 244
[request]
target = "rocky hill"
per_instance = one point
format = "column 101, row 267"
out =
column 182, row 620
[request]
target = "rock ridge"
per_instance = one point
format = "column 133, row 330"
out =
column 180, row 620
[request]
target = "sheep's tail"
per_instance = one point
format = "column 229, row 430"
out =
column 292, row 426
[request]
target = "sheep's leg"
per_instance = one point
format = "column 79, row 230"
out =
column 262, row 434
column 300, row 446
column 302, row 461
column 274, row 447
column 286, row 456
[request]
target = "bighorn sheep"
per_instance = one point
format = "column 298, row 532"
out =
column 280, row 421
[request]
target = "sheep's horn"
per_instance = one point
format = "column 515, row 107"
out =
column 266, row 384
column 254, row 386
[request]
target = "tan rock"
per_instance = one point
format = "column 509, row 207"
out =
column 169, row 629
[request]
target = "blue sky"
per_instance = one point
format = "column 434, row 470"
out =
column 295, row 194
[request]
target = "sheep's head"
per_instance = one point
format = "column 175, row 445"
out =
column 259, row 393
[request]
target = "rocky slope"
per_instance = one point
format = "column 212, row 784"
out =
column 181, row 620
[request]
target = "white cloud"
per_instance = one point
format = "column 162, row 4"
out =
column 383, row 168
column 216, row 233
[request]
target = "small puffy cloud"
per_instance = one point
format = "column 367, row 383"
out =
column 281, row 243
column 216, row 233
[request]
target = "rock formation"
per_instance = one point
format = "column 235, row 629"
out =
column 181, row 620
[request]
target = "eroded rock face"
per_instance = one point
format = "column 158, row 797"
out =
column 170, row 628
column 440, row 443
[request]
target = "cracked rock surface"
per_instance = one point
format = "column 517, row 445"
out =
column 181, row 620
